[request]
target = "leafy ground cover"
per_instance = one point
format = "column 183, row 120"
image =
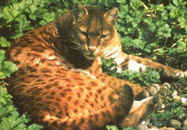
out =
column 150, row 29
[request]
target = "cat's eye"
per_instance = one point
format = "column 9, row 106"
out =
column 84, row 33
column 104, row 35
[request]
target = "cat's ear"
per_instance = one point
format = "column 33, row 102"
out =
column 79, row 12
column 111, row 16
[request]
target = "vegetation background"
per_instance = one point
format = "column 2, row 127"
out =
column 147, row 28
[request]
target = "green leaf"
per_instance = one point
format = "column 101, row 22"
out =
column 15, row 12
column 183, row 22
column 6, row 110
column 129, row 128
column 35, row 127
column 2, row 58
column 4, row 42
column 7, row 15
column 111, row 127
column 182, row 47
column 9, row 68
column 32, row 8
column 121, row 1
column 164, row 31
column 5, row 124
column 5, row 99
column 135, row 4
column 176, row 2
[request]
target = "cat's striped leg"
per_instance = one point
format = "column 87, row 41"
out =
column 138, row 64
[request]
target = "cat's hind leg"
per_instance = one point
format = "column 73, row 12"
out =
column 142, row 109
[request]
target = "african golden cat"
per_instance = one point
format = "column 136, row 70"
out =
column 60, row 82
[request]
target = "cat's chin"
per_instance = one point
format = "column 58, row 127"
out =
column 90, row 57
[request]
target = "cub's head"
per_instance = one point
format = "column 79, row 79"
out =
column 93, row 32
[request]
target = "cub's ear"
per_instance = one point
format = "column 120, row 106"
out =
column 112, row 16
column 79, row 12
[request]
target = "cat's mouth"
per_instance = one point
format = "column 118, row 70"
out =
column 90, row 56
column 90, row 52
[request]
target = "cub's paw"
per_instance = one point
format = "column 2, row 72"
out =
column 152, row 90
column 143, row 109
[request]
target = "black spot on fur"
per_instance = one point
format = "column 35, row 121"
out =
column 48, row 86
column 82, row 120
column 31, row 69
column 32, row 76
column 96, row 117
column 81, row 106
column 108, row 114
column 39, row 80
column 79, row 95
column 99, row 91
column 62, row 94
column 75, row 111
column 76, row 102
column 17, row 62
column 103, row 114
column 44, row 70
column 38, row 49
column 69, row 98
column 76, row 128
column 53, row 93
column 18, row 51
column 67, row 90
column 55, row 83
column 21, row 71
column 64, row 124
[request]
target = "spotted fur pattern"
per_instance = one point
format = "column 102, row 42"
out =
column 60, row 82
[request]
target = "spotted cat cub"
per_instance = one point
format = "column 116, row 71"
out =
column 60, row 81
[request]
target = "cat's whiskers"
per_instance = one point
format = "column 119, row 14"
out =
column 74, row 45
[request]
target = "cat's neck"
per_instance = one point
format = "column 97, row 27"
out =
column 77, row 59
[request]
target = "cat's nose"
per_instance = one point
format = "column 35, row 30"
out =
column 92, row 48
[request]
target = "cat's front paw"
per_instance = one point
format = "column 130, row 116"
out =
column 179, row 74
column 152, row 90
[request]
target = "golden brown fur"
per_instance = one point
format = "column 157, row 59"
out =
column 60, row 81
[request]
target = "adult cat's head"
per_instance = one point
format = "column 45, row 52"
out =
column 91, row 31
